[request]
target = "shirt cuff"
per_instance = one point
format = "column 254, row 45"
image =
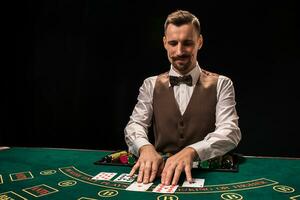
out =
column 137, row 144
column 202, row 150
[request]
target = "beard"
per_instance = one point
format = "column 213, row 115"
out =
column 182, row 63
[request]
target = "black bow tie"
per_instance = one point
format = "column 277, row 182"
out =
column 174, row 80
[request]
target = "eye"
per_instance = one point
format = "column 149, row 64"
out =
column 172, row 43
column 188, row 43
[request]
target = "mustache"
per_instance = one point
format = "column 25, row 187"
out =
column 180, row 57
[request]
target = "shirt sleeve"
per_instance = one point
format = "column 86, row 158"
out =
column 227, row 134
column 136, row 130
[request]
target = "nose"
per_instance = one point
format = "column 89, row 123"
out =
column 179, row 50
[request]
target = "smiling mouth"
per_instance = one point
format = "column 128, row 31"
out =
column 181, row 58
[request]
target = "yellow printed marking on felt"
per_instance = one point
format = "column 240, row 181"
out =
column 39, row 188
column 48, row 172
column 283, row 188
column 231, row 196
column 295, row 197
column 108, row 193
column 67, row 183
column 167, row 197
column 7, row 196
column 12, row 178
column 86, row 198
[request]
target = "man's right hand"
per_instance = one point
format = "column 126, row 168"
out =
column 150, row 164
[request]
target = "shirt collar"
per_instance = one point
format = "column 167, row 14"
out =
column 195, row 73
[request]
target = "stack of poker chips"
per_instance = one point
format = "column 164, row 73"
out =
column 215, row 163
column 113, row 157
column 204, row 164
column 122, row 157
column 227, row 162
column 220, row 162
column 128, row 159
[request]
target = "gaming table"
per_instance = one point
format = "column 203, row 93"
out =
column 47, row 173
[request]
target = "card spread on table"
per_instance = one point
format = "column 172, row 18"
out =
column 125, row 178
column 135, row 186
column 165, row 188
column 104, row 176
column 197, row 182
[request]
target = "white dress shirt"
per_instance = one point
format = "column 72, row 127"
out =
column 224, row 138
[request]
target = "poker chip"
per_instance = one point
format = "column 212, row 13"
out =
column 123, row 159
column 215, row 163
column 227, row 162
column 115, row 156
column 204, row 164
column 131, row 159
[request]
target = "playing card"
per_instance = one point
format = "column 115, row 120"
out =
column 125, row 178
column 104, row 176
column 195, row 164
column 165, row 188
column 197, row 182
column 135, row 186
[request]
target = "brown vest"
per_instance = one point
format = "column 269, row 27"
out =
column 173, row 131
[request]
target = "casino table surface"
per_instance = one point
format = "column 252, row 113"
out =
column 66, row 174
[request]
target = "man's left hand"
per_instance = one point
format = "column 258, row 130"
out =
column 183, row 160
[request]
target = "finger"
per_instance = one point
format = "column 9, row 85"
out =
column 147, row 171
column 177, row 173
column 134, row 168
column 141, row 173
column 188, row 173
column 153, row 171
column 169, row 175
column 164, row 173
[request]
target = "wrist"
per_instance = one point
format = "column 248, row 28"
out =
column 192, row 152
column 146, row 147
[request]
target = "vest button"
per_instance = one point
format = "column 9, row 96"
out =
column 181, row 136
column 181, row 123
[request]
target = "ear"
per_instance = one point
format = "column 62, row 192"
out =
column 200, row 42
column 165, row 42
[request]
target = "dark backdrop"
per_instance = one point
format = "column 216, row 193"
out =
column 77, row 67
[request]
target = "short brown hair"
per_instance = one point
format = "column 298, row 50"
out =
column 181, row 17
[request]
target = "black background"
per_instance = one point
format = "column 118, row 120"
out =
column 77, row 67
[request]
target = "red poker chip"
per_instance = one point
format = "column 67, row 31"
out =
column 123, row 159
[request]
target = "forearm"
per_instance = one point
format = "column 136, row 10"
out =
column 135, row 137
column 217, row 143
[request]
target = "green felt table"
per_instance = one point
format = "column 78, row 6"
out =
column 65, row 174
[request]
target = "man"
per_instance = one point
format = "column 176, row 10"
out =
column 192, row 120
